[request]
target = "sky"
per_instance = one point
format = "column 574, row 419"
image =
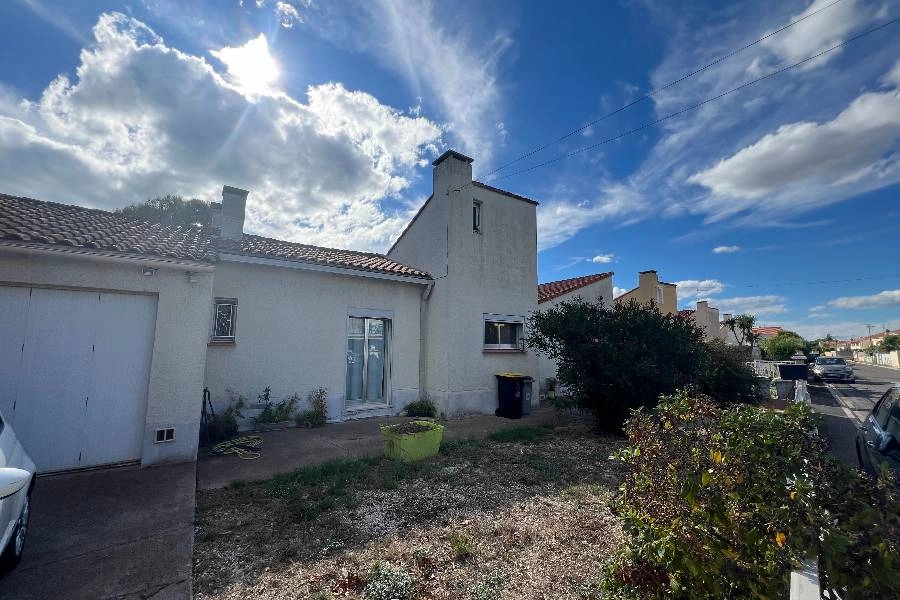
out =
column 779, row 199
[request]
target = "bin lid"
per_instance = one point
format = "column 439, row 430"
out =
column 511, row 375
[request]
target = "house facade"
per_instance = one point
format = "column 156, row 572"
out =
column 707, row 319
column 591, row 288
column 111, row 327
column 651, row 289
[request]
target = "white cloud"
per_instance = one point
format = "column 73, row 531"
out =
column 892, row 78
column 698, row 289
column 617, row 291
column 251, row 67
column 754, row 305
column 725, row 249
column 287, row 13
column 143, row 119
column 805, row 164
column 820, row 32
column 442, row 54
column 885, row 298
column 841, row 330
column 603, row 259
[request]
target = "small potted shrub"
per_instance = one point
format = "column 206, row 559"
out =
column 411, row 441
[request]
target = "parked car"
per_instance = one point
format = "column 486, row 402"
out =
column 830, row 367
column 16, row 484
column 878, row 439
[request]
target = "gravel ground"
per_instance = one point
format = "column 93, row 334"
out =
column 482, row 521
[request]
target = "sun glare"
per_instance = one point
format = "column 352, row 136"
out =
column 251, row 66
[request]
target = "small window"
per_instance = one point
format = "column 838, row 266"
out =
column 503, row 333
column 659, row 295
column 224, row 319
column 476, row 216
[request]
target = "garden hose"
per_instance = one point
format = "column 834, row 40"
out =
column 247, row 447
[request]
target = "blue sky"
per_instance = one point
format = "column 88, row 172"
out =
column 330, row 113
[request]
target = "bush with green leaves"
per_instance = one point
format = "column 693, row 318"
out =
column 277, row 412
column 725, row 376
column 385, row 583
column 223, row 424
column 611, row 359
column 317, row 414
column 724, row 502
column 423, row 407
column 783, row 345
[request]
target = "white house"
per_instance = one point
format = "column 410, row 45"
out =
column 588, row 287
column 110, row 328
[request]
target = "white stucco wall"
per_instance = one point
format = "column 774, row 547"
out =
column 291, row 334
column 599, row 290
column 494, row 271
column 179, row 351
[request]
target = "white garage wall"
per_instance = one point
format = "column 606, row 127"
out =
column 291, row 333
column 182, row 324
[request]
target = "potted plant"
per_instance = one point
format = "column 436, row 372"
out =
column 411, row 441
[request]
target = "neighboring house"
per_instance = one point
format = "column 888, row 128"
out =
column 103, row 332
column 766, row 332
column 588, row 287
column 707, row 319
column 651, row 289
column 133, row 319
column 868, row 341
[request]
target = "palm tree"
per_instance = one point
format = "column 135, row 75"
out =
column 743, row 324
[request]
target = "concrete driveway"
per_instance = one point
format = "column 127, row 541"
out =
column 118, row 533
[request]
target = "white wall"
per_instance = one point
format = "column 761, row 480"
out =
column 179, row 351
column 494, row 271
column 599, row 290
column 291, row 333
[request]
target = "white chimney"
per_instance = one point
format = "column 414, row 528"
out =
column 234, row 203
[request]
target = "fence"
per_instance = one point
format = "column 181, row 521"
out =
column 768, row 368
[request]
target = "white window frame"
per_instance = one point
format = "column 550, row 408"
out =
column 659, row 295
column 387, row 385
column 216, row 304
column 517, row 320
column 477, row 211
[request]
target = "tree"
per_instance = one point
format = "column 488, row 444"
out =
column 783, row 345
column 889, row 343
column 170, row 210
column 741, row 327
column 611, row 359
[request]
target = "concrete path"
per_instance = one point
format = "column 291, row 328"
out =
column 844, row 406
column 290, row 449
column 118, row 533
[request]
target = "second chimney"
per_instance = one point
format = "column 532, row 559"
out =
column 234, row 204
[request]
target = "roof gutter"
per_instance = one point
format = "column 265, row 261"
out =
column 307, row 266
column 105, row 256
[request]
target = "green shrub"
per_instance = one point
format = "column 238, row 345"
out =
column 317, row 415
column 461, row 546
column 725, row 376
column 423, row 407
column 223, row 424
column 613, row 358
column 385, row 583
column 723, row 503
column 489, row 587
column 525, row 435
column 275, row 413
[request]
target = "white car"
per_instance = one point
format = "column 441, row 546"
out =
column 16, row 483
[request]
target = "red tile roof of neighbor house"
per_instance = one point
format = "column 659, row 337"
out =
column 554, row 289
column 767, row 330
column 37, row 222
column 263, row 247
column 686, row 313
column 28, row 221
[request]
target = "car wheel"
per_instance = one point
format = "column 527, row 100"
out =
column 12, row 554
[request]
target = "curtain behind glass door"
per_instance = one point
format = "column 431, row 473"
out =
column 367, row 360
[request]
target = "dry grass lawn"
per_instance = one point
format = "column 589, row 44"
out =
column 525, row 515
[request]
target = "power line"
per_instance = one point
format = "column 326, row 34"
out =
column 699, row 104
column 651, row 93
column 820, row 282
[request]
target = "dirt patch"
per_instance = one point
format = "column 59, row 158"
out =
column 481, row 520
column 410, row 427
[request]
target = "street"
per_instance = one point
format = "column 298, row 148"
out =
column 840, row 418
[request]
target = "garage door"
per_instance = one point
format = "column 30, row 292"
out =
column 74, row 369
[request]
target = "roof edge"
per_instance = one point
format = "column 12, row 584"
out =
column 491, row 188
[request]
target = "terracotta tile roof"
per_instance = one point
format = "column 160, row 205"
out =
column 263, row 247
column 767, row 330
column 554, row 289
column 685, row 313
column 36, row 222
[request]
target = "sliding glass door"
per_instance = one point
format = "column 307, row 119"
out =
column 368, row 361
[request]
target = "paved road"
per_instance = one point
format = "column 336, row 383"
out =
column 841, row 417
